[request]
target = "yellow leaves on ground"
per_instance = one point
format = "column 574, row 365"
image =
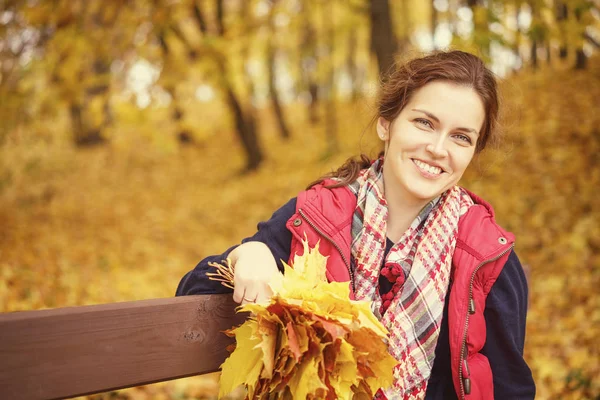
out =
column 309, row 341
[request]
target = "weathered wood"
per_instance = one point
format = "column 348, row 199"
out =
column 72, row 351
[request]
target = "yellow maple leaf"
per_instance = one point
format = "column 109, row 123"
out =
column 244, row 365
column 306, row 380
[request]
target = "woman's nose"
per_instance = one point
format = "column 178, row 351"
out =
column 437, row 148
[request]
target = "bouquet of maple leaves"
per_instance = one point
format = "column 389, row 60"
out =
column 310, row 341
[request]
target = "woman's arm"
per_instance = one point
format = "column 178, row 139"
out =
column 272, row 233
column 505, row 314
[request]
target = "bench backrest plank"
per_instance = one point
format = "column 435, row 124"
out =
column 74, row 351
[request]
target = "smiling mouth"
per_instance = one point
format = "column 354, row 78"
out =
column 428, row 168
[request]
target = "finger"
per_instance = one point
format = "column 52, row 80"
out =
column 265, row 294
column 249, row 297
column 241, row 282
column 244, row 301
column 238, row 293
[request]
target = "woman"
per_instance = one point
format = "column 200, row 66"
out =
column 442, row 275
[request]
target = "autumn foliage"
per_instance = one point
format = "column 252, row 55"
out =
column 127, row 220
column 310, row 341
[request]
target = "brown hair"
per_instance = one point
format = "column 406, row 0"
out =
column 406, row 78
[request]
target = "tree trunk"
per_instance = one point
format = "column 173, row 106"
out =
column 102, row 68
column 591, row 40
column 281, row 122
column 308, row 65
column 434, row 23
column 518, row 35
column 313, row 107
column 580, row 57
column 352, row 66
column 220, row 18
column 244, row 121
column 481, row 35
column 245, row 124
column 86, row 132
column 279, row 114
column 246, row 131
column 562, row 14
column 534, row 58
column 177, row 114
column 83, row 136
column 536, row 35
column 330, row 109
column 250, row 112
column 383, row 40
column 199, row 18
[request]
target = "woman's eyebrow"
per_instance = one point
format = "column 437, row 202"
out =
column 436, row 119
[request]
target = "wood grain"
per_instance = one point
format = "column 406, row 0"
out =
column 72, row 351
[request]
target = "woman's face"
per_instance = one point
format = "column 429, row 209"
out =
column 431, row 142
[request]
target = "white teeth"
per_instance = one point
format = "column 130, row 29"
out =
column 429, row 168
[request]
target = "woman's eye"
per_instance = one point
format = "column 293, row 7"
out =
column 463, row 138
column 424, row 122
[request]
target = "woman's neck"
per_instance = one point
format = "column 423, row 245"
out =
column 401, row 213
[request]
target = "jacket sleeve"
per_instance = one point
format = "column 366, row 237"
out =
column 272, row 232
column 505, row 315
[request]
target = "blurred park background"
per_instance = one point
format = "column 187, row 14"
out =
column 138, row 137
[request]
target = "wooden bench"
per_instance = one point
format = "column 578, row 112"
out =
column 73, row 351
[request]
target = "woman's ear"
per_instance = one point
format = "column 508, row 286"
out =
column 383, row 128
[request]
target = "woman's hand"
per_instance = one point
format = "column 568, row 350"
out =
column 254, row 268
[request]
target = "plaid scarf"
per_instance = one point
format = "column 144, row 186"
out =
column 424, row 253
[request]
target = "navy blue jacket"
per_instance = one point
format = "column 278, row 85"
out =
column 505, row 311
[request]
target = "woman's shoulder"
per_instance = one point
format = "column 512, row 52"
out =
column 478, row 229
column 327, row 196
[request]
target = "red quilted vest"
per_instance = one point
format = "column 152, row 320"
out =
column 482, row 248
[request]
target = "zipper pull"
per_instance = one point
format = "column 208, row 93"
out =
column 466, row 380
column 472, row 306
column 467, row 385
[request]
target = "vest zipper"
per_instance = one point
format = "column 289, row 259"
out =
column 334, row 245
column 463, row 349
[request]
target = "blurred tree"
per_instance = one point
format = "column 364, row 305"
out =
column 272, row 72
column 60, row 34
column 13, row 47
column 562, row 13
column 352, row 64
column 514, row 9
column 168, row 80
column 537, row 31
column 328, row 18
column 434, row 23
column 70, row 56
column 481, row 32
column 245, row 122
column 383, row 39
column 88, row 129
column 248, row 25
column 308, row 61
column 212, row 34
column 404, row 28
column 581, row 10
column 352, row 29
